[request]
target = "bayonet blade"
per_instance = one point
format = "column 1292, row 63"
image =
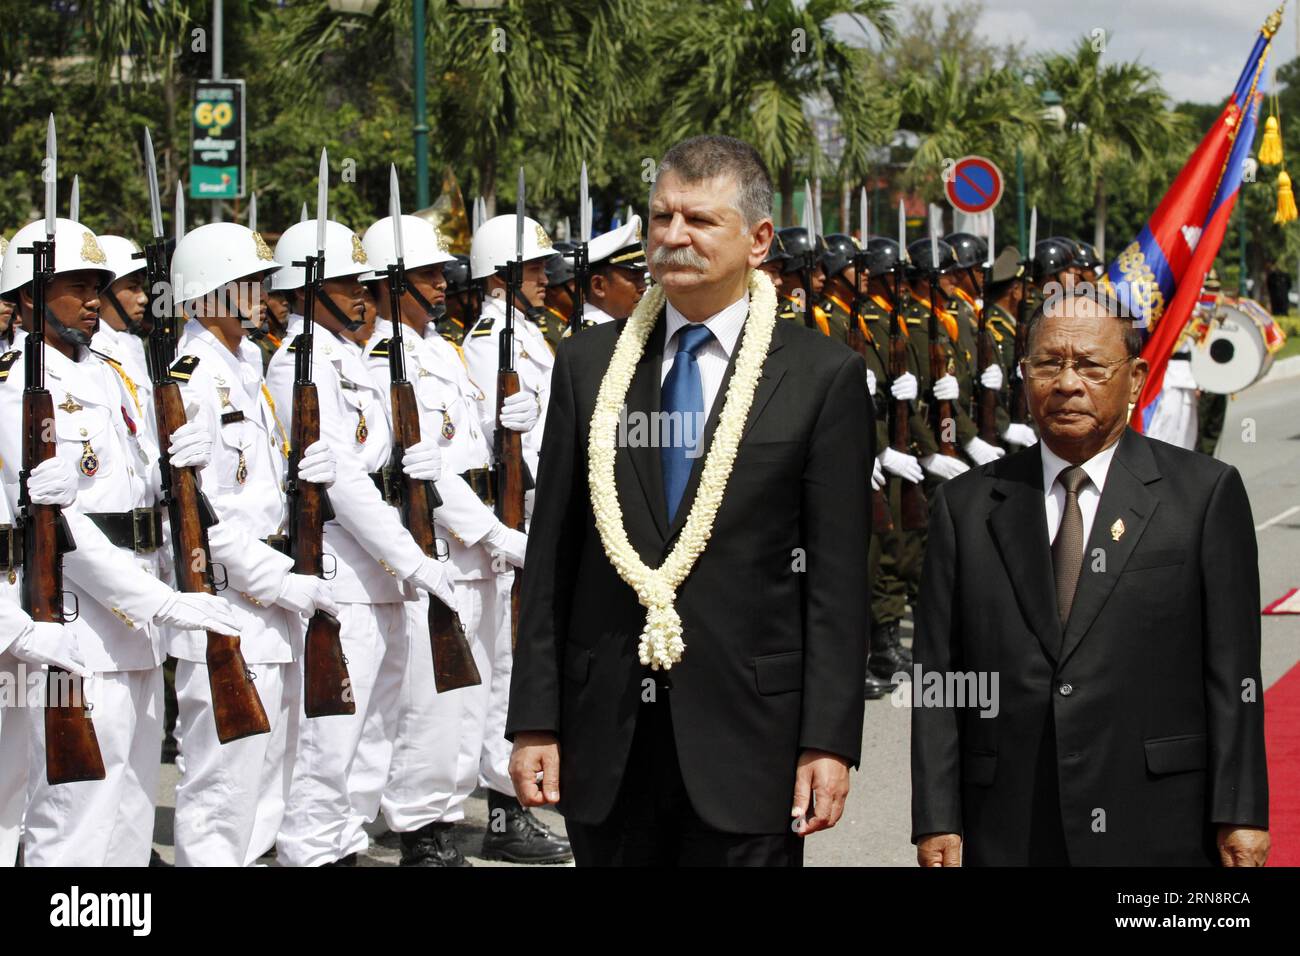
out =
column 155, row 197
column 519, row 217
column 809, row 226
column 252, row 212
column 322, row 201
column 902, row 231
column 817, row 205
column 863, row 216
column 992, row 232
column 934, row 241
column 1033, row 234
column 303, row 215
column 51, row 178
column 584, row 214
column 395, row 210
column 178, row 219
column 74, row 200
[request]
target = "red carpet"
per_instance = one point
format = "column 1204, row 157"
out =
column 1282, row 736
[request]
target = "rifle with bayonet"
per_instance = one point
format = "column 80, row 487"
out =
column 71, row 748
column 581, row 263
column 912, row 506
column 327, row 688
column 944, row 417
column 453, row 659
column 986, row 399
column 1019, row 403
column 236, row 706
column 508, row 444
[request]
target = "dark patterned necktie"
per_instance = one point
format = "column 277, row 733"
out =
column 1067, row 549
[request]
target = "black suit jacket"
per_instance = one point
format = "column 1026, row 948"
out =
column 774, row 613
column 1139, row 728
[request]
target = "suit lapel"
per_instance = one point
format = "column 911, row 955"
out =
column 1019, row 525
column 1125, row 498
column 771, row 376
column 644, row 396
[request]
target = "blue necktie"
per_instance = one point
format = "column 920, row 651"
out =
column 683, row 394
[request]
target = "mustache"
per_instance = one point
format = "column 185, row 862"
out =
column 682, row 257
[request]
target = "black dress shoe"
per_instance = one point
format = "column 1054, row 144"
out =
column 516, row 836
column 431, row 846
column 888, row 655
column 349, row 860
column 876, row 688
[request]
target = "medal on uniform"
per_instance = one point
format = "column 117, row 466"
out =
column 89, row 463
column 362, row 431
column 69, row 405
column 241, row 470
column 448, row 429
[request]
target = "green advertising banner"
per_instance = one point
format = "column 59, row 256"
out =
column 217, row 140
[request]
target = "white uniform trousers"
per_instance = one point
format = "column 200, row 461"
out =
column 319, row 821
column 14, row 717
column 230, row 797
column 105, row 822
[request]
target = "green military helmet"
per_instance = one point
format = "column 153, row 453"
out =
column 457, row 274
column 923, row 262
column 839, row 254
column 803, row 252
column 559, row 269
column 776, row 251
column 971, row 251
column 883, row 256
column 1051, row 256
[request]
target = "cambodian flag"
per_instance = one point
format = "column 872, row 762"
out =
column 1158, row 277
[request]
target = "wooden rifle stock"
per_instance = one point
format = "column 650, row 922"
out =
column 912, row 505
column 943, row 414
column 1019, row 403
column 235, row 703
column 988, row 398
column 881, row 519
column 510, row 481
column 453, row 659
column 327, row 688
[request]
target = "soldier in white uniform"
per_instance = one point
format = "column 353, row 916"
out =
column 112, row 574
column 442, row 755
column 119, row 340
column 230, row 799
column 379, row 565
column 616, row 274
column 25, row 648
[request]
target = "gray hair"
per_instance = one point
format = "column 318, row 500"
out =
column 1105, row 304
column 702, row 158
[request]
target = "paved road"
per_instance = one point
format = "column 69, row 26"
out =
column 1261, row 438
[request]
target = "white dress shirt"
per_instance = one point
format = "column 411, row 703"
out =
column 1089, row 495
column 714, row 356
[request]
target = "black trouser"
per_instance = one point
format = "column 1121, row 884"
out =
column 653, row 823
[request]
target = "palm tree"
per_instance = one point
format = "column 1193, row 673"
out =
column 749, row 67
column 1114, row 112
column 989, row 114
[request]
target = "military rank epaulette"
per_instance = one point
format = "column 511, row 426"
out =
column 7, row 362
column 293, row 346
column 104, row 356
column 184, row 367
column 481, row 329
column 381, row 349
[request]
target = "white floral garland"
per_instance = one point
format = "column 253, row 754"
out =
column 661, row 642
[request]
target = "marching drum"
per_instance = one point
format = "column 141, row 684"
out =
column 1238, row 349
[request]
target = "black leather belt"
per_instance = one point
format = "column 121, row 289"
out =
column 11, row 548
column 140, row 530
column 483, row 482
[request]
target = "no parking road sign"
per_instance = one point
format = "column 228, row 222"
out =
column 974, row 184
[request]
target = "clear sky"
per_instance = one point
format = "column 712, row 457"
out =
column 1198, row 46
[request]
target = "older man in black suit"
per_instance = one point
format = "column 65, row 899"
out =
column 1109, row 583
column 733, row 748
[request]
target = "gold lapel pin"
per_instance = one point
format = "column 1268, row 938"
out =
column 1117, row 529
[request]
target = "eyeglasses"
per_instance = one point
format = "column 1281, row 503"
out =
column 1044, row 368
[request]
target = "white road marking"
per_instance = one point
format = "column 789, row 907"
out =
column 1278, row 517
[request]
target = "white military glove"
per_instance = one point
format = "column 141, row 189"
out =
column 191, row 446
column 507, row 543
column 991, row 377
column 871, row 382
column 944, row 466
column 423, row 460
column 945, row 389
column 1020, row 435
column 318, row 465
column 519, row 412
column 51, row 644
column 307, row 594
column 903, row 465
column 431, row 576
column 53, row 482
column 903, row 388
column 981, row 452
column 877, row 475
column 199, row 612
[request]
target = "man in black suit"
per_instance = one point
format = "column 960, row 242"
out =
column 712, row 761
column 1105, row 586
